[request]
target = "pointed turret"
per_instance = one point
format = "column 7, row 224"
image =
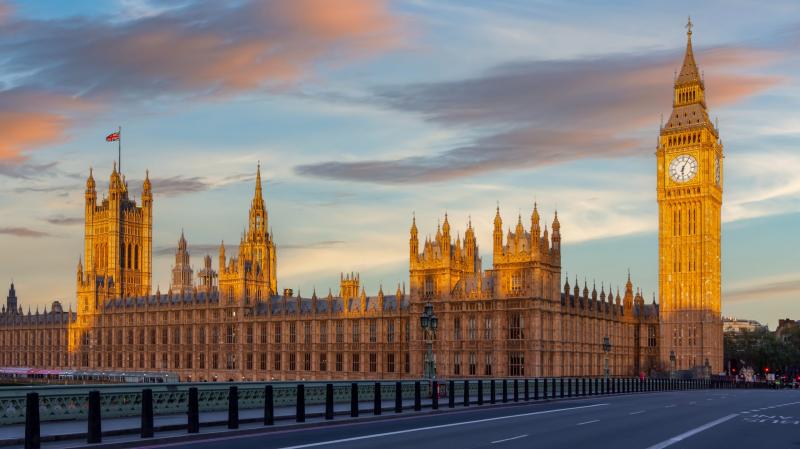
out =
column 498, row 232
column 689, row 106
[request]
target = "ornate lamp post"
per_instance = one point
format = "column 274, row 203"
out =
column 606, row 350
column 429, row 323
column 671, row 364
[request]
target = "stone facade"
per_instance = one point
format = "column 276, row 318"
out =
column 514, row 319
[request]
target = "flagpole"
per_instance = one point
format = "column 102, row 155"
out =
column 119, row 148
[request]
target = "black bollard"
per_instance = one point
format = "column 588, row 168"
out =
column 516, row 390
column 466, row 393
column 480, row 391
column 353, row 400
column 435, row 395
column 147, row 413
column 569, row 388
column 505, row 390
column 527, row 393
column 535, row 389
column 492, row 391
column 300, row 403
column 544, row 390
column 193, row 412
column 94, row 428
column 233, row 407
column 32, row 423
column 398, row 397
column 451, row 394
column 269, row 408
column 328, row 401
column 417, row 397
column 376, row 399
column 562, row 388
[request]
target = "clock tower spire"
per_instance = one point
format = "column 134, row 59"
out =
column 689, row 191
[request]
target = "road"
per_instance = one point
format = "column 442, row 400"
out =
column 680, row 419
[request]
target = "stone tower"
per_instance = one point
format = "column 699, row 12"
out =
column 11, row 300
column 182, row 271
column 689, row 177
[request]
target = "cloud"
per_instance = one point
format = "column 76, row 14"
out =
column 538, row 113
column 60, row 220
column 763, row 290
column 179, row 185
column 201, row 48
column 26, row 170
column 22, row 232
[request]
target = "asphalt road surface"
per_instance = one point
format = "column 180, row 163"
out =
column 681, row 419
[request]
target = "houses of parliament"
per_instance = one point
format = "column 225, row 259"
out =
column 521, row 317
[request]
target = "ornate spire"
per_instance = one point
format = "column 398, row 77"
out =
column 689, row 72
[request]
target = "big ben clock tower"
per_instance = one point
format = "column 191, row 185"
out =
column 689, row 158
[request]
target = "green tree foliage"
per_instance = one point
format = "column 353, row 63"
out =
column 762, row 350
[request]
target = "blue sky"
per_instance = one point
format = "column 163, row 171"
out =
column 364, row 112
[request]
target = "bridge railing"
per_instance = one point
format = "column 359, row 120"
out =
column 93, row 404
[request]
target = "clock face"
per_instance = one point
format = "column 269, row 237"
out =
column 716, row 169
column 683, row 168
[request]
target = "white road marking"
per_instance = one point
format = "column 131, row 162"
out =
column 693, row 403
column 441, row 426
column 636, row 413
column 509, row 439
column 696, row 430
column 669, row 406
column 588, row 422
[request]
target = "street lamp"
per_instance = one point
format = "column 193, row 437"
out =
column 429, row 323
column 671, row 364
column 606, row 350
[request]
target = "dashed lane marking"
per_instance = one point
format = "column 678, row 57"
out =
column 588, row 422
column 696, row 430
column 636, row 413
column 509, row 439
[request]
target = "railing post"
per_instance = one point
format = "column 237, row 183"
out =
column 451, row 394
column 300, row 403
column 492, row 391
column 544, row 389
column 466, row 393
column 193, row 412
column 377, row 402
column 435, row 395
column 516, row 390
column 354, row 400
column 233, row 407
column 480, row 391
column 398, row 397
column 505, row 390
column 94, row 429
column 147, row 413
column 417, row 398
column 527, row 393
column 569, row 387
column 269, row 408
column 32, row 422
column 561, row 392
column 328, row 401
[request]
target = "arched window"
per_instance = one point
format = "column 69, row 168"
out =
column 136, row 257
column 130, row 256
column 122, row 255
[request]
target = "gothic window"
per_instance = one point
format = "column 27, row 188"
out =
column 373, row 331
column 323, row 361
column 276, row 361
column 339, row 333
column 390, row 332
column 516, row 283
column 457, row 364
column 373, row 362
column 487, row 328
column 230, row 361
column 356, row 332
column 292, row 361
column 390, row 363
column 456, row 328
column 356, row 363
column 407, row 363
column 130, row 256
column 323, row 332
column 136, row 257
column 473, row 360
column 307, row 332
column 515, row 327
column 202, row 360
column 430, row 287
column 122, row 256
column 487, row 367
column 277, row 333
column 231, row 335
column 516, row 364
column 339, row 361
column 307, row 361
column 249, row 333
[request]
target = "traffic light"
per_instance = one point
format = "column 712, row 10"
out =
column 766, row 370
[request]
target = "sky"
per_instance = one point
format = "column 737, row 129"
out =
column 362, row 113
